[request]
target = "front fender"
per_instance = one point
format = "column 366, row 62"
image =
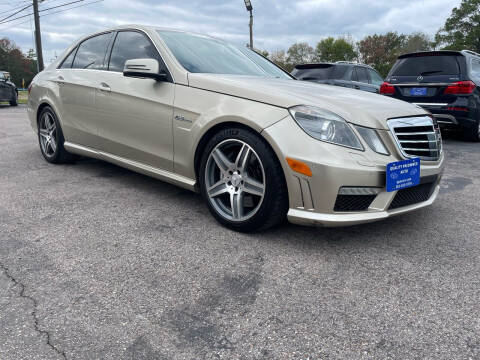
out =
column 199, row 111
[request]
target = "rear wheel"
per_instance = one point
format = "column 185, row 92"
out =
column 50, row 138
column 242, row 181
column 473, row 134
column 14, row 101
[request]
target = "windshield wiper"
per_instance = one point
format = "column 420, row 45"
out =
column 430, row 72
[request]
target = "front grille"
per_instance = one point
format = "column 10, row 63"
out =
column 417, row 137
column 353, row 202
column 413, row 195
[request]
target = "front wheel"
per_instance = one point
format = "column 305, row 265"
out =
column 242, row 181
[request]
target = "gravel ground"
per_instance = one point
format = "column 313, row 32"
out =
column 97, row 262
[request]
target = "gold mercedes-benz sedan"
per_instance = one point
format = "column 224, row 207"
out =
column 222, row 120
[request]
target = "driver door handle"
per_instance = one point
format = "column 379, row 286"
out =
column 60, row 80
column 104, row 87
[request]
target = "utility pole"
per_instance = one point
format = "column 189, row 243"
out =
column 248, row 5
column 251, row 30
column 38, row 37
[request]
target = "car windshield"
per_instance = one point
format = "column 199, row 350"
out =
column 203, row 54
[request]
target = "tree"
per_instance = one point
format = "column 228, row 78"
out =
column 331, row 50
column 417, row 42
column 264, row 53
column 279, row 57
column 462, row 28
column 16, row 63
column 299, row 53
column 381, row 50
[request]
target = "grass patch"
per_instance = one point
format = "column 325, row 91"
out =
column 22, row 96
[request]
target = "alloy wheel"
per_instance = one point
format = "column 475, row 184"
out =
column 48, row 134
column 235, row 180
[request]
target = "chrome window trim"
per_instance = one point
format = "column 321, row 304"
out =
column 114, row 31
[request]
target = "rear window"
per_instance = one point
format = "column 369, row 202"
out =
column 314, row 73
column 427, row 65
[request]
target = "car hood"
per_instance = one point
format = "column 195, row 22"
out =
column 355, row 106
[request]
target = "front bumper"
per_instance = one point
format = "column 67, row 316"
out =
column 308, row 218
column 312, row 199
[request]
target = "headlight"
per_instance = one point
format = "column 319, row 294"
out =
column 372, row 139
column 325, row 126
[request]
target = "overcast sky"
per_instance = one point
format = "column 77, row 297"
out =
column 277, row 23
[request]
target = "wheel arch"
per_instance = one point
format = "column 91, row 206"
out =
column 43, row 103
column 40, row 108
column 216, row 128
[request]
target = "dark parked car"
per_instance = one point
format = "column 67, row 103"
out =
column 443, row 82
column 8, row 90
column 341, row 73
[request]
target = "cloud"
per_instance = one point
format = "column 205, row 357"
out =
column 277, row 23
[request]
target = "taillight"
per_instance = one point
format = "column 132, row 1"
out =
column 387, row 89
column 457, row 108
column 29, row 88
column 460, row 88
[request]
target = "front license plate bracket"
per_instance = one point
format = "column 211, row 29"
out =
column 403, row 174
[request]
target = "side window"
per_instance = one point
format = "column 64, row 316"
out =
column 476, row 68
column 354, row 74
column 375, row 77
column 339, row 72
column 91, row 53
column 362, row 75
column 67, row 63
column 131, row 45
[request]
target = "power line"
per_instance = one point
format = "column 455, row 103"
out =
column 53, row 7
column 48, row 14
column 13, row 9
column 15, row 13
column 15, row 6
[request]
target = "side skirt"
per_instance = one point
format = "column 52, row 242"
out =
column 148, row 170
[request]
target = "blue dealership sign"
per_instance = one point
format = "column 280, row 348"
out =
column 403, row 174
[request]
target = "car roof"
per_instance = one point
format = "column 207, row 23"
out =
column 327, row 64
column 145, row 28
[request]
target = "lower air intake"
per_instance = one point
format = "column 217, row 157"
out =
column 353, row 202
column 413, row 195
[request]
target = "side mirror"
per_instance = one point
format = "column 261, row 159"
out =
column 144, row 68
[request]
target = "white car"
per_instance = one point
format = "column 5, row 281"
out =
column 222, row 120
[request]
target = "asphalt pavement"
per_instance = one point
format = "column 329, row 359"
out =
column 98, row 262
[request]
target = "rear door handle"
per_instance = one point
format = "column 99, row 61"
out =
column 105, row 87
column 357, row 87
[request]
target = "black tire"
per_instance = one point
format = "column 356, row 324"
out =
column 14, row 101
column 472, row 134
column 273, row 209
column 59, row 155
